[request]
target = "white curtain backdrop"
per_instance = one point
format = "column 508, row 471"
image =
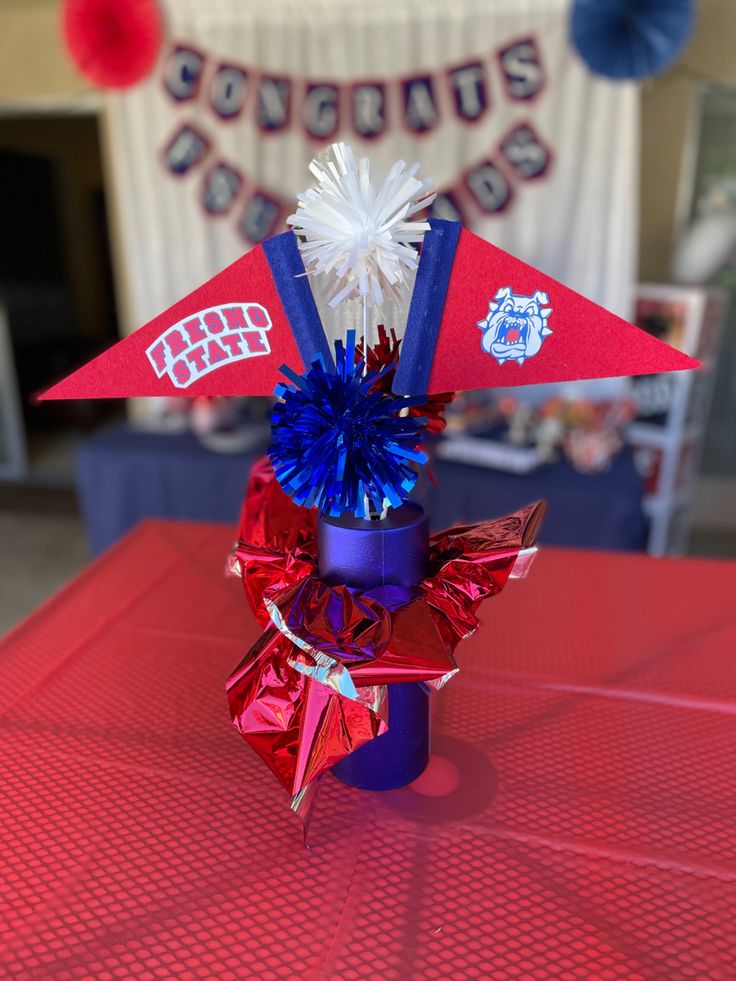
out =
column 578, row 222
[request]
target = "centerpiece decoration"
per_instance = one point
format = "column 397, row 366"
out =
column 362, row 608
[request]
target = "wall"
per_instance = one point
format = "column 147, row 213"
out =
column 667, row 122
column 33, row 63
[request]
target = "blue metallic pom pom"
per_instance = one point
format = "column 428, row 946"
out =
column 338, row 442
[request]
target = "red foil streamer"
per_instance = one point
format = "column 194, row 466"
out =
column 312, row 689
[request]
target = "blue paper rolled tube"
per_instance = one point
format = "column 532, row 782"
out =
column 366, row 554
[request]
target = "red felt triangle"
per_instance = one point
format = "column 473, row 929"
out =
column 586, row 340
column 228, row 337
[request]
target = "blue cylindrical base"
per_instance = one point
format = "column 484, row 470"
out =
column 399, row 755
column 366, row 554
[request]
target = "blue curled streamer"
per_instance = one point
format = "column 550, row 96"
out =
column 292, row 283
column 426, row 307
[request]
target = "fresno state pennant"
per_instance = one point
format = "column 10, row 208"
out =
column 479, row 318
column 229, row 337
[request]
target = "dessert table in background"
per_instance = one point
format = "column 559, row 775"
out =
column 577, row 819
column 124, row 476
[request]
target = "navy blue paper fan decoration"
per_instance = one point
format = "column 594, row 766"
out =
column 339, row 443
column 629, row 39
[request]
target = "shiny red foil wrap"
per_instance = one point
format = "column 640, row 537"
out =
column 313, row 688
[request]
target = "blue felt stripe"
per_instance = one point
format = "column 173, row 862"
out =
column 425, row 310
column 292, row 283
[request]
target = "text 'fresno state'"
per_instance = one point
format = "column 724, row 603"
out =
column 210, row 339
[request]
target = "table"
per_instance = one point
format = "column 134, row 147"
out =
column 124, row 476
column 577, row 819
column 601, row 511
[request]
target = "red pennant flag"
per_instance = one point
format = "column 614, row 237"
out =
column 505, row 323
column 229, row 337
column 479, row 318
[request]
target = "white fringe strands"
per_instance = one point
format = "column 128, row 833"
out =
column 359, row 236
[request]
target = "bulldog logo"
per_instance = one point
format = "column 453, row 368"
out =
column 516, row 326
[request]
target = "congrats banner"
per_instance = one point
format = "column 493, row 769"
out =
column 324, row 111
column 525, row 147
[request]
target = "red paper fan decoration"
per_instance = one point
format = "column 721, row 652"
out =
column 114, row 43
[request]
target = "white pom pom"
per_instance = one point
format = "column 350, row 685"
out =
column 359, row 236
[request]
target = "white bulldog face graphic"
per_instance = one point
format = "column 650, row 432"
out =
column 516, row 326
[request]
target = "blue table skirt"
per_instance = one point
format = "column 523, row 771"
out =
column 583, row 511
column 124, row 476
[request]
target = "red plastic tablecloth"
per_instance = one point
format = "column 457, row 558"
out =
column 578, row 819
